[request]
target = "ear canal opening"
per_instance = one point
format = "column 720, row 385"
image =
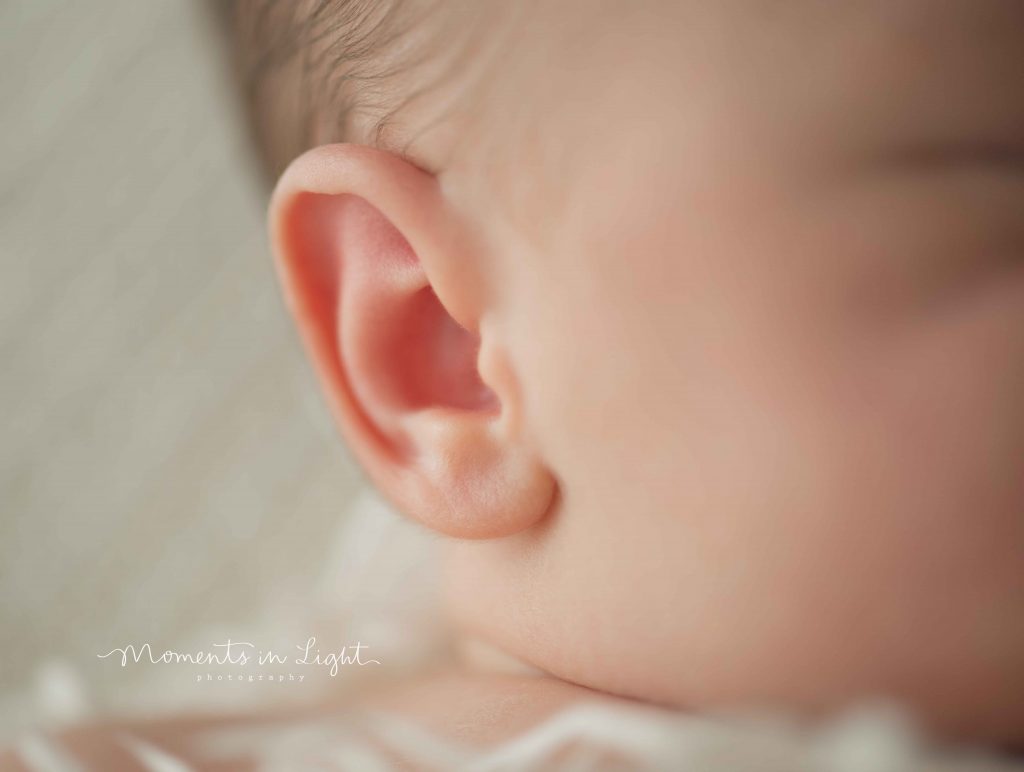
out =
column 434, row 359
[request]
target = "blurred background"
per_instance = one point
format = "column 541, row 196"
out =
column 166, row 462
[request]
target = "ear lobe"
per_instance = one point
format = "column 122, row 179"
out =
column 388, row 304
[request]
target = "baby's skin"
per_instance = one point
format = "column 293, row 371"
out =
column 697, row 332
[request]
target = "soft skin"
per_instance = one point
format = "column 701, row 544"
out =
column 716, row 382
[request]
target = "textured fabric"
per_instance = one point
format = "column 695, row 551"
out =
column 381, row 586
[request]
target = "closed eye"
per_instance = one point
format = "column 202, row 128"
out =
column 941, row 221
column 967, row 155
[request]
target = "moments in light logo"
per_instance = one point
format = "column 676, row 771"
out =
column 243, row 654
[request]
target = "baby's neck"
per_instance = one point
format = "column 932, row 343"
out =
column 480, row 656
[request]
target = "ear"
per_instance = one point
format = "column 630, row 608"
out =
column 389, row 298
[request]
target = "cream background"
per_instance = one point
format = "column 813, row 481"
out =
column 166, row 463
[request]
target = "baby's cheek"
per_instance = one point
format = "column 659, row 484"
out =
column 764, row 496
column 940, row 393
column 802, row 517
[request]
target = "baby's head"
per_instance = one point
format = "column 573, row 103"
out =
column 697, row 328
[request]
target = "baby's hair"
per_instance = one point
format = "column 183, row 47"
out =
column 316, row 71
column 385, row 72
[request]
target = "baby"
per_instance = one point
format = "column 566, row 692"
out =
column 696, row 329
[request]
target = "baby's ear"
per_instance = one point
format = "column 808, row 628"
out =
column 389, row 298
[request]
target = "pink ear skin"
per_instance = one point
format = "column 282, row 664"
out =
column 389, row 301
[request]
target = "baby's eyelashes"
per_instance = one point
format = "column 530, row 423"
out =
column 970, row 155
